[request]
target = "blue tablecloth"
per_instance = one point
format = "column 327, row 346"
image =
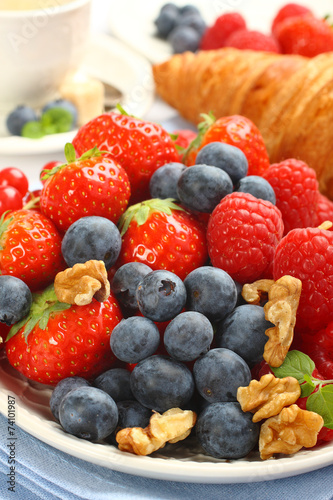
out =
column 46, row 473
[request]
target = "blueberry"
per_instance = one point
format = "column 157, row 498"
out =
column 161, row 383
column 210, row 291
column 202, row 187
column 116, row 383
column 88, row 413
column 243, row 331
column 19, row 117
column 258, row 187
column 228, row 158
column 240, row 300
column 134, row 339
column 188, row 335
column 61, row 389
column 133, row 414
column 166, row 20
column 225, row 431
column 15, row 299
column 163, row 182
column 184, row 38
column 194, row 20
column 161, row 295
column 219, row 373
column 125, row 282
column 91, row 238
column 188, row 9
column 63, row 104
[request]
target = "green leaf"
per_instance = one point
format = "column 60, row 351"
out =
column 142, row 214
column 56, row 120
column 33, row 130
column 306, row 389
column 208, row 120
column 70, row 153
column 321, row 402
column 297, row 365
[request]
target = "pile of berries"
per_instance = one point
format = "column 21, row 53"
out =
column 55, row 117
column 294, row 30
column 179, row 233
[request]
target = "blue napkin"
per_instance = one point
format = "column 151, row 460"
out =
column 42, row 472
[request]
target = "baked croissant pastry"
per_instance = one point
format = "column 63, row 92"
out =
column 288, row 97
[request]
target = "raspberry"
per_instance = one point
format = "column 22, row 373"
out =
column 323, row 210
column 287, row 11
column 307, row 254
column 320, row 348
column 242, row 234
column 215, row 36
column 296, row 190
column 305, row 35
column 252, row 40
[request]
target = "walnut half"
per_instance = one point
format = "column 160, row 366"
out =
column 266, row 397
column 80, row 283
column 289, row 431
column 171, row 426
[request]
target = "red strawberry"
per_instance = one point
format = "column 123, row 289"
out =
column 215, row 36
column 162, row 235
column 296, row 190
column 183, row 139
column 307, row 254
column 242, row 235
column 58, row 340
column 252, row 40
column 91, row 185
column 140, row 147
column 30, row 248
column 305, row 35
column 237, row 131
column 287, row 11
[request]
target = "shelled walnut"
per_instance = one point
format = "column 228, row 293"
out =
column 268, row 396
column 289, row 431
column 170, row 427
column 80, row 283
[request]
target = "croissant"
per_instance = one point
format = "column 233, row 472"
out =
column 288, row 97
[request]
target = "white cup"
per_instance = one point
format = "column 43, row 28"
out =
column 38, row 47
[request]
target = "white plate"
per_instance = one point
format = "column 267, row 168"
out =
column 175, row 462
column 138, row 29
column 109, row 60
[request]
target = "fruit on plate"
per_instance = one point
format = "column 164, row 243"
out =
column 283, row 95
column 57, row 340
column 30, row 248
column 140, row 147
column 162, row 235
column 94, row 184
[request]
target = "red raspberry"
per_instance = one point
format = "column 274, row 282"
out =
column 252, row 40
column 305, row 35
column 323, row 210
column 307, row 254
column 215, row 36
column 296, row 190
column 287, row 11
column 320, row 348
column 242, row 234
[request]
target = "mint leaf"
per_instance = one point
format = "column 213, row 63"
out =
column 306, row 389
column 297, row 365
column 56, row 120
column 33, row 130
column 321, row 402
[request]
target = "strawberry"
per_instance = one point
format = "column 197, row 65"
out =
column 59, row 340
column 287, row 11
column 305, row 35
column 30, row 248
column 162, row 235
column 182, row 140
column 236, row 130
column 91, row 185
column 139, row 146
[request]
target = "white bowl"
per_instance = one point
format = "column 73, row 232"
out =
column 38, row 47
